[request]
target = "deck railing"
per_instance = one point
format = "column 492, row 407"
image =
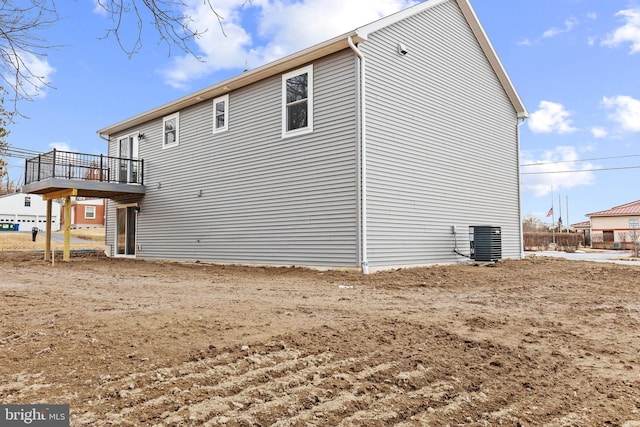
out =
column 83, row 167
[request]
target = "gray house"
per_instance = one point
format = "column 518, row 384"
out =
column 377, row 149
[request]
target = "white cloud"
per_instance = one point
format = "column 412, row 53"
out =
column 625, row 111
column 592, row 15
column 218, row 50
column 628, row 33
column 36, row 74
column 323, row 19
column 98, row 9
column 599, row 132
column 281, row 27
column 554, row 169
column 62, row 146
column 551, row 117
column 569, row 25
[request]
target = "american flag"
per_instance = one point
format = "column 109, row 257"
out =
column 550, row 212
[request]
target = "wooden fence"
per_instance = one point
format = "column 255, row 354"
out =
column 541, row 241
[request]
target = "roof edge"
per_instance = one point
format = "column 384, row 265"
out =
column 248, row 77
column 492, row 56
column 479, row 33
column 318, row 51
column 374, row 26
column 608, row 212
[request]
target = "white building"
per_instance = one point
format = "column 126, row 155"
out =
column 28, row 211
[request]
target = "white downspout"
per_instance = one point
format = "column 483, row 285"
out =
column 520, row 122
column 363, row 161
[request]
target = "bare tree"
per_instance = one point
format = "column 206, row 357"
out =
column 632, row 238
column 20, row 43
column 8, row 186
column 167, row 17
column 532, row 224
column 21, row 23
column 5, row 119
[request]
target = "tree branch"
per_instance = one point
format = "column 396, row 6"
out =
column 20, row 44
column 21, row 47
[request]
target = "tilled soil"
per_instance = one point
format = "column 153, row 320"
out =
column 537, row 342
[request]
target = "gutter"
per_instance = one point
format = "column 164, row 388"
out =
column 363, row 160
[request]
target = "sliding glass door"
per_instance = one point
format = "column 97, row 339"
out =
column 126, row 231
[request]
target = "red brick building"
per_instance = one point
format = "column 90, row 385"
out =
column 87, row 213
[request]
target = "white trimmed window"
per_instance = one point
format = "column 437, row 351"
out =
column 171, row 131
column 221, row 114
column 89, row 212
column 297, row 102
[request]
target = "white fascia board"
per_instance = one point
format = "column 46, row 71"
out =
column 492, row 56
column 396, row 17
column 285, row 64
column 476, row 28
column 318, row 51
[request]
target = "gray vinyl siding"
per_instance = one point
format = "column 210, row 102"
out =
column 248, row 195
column 441, row 142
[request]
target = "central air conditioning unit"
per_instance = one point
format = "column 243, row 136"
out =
column 486, row 243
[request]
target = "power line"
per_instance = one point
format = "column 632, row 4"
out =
column 22, row 150
column 20, row 153
column 579, row 160
column 24, row 153
column 582, row 170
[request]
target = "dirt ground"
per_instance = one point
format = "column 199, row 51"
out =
column 537, row 342
column 92, row 239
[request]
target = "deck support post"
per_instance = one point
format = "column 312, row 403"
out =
column 67, row 229
column 67, row 194
column 47, row 235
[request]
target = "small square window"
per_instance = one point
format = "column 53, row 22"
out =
column 171, row 131
column 89, row 212
column 221, row 114
column 27, row 201
column 633, row 223
column 297, row 102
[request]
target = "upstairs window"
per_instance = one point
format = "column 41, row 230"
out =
column 297, row 102
column 171, row 130
column 221, row 114
column 27, row 201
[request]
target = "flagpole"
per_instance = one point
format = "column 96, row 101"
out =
column 553, row 219
column 559, row 214
column 567, row 206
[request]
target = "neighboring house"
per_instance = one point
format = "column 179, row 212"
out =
column 615, row 228
column 86, row 213
column 28, row 211
column 379, row 148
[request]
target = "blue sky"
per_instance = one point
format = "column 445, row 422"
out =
column 575, row 64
